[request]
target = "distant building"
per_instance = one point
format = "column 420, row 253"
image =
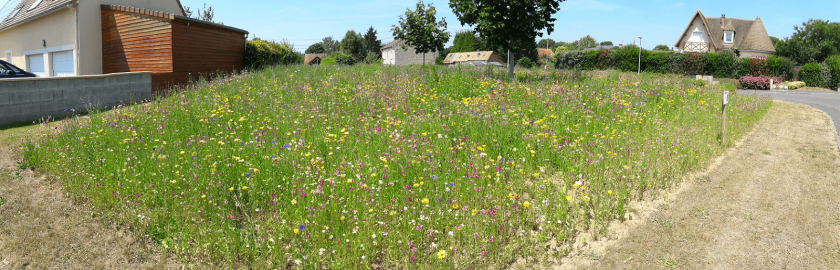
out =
column 313, row 59
column 461, row 58
column 716, row 34
column 543, row 52
column 598, row 48
column 393, row 54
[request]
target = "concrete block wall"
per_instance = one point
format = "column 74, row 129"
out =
column 33, row 99
column 409, row 57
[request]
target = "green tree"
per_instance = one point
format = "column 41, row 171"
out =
column 546, row 42
column 774, row 40
column 583, row 43
column 662, row 47
column 315, row 48
column 421, row 30
column 812, row 42
column 330, row 45
column 372, row 44
column 607, row 43
column 508, row 24
column 353, row 45
column 465, row 42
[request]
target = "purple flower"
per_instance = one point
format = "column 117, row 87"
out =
column 301, row 227
column 247, row 175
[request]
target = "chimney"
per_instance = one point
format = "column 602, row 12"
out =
column 722, row 21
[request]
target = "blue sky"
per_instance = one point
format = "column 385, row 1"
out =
column 658, row 22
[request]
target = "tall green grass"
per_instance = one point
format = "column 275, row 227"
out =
column 387, row 167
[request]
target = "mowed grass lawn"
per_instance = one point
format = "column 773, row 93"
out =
column 388, row 167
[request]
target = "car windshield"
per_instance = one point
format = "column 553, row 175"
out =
column 6, row 66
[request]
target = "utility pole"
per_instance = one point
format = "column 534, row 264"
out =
column 640, row 55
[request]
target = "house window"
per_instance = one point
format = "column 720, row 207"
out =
column 728, row 37
column 698, row 34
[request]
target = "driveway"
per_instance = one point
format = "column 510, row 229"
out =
column 828, row 102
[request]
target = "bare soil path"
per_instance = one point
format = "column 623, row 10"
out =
column 41, row 228
column 771, row 202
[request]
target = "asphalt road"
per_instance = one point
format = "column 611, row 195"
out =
column 828, row 102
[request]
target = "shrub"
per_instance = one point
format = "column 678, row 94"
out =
column 343, row 59
column 329, row 61
column 794, row 85
column 755, row 67
column 780, row 67
column 756, row 83
column 658, row 63
column 569, row 59
column 525, row 62
column 726, row 65
column 694, row 63
column 810, row 74
column 261, row 53
column 604, row 59
column 710, row 62
column 590, row 60
column 833, row 62
column 626, row 58
column 825, row 75
column 676, row 63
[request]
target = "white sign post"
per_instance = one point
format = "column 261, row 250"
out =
column 723, row 118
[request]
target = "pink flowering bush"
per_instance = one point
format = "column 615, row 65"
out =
column 757, row 83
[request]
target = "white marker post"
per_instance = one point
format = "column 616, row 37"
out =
column 723, row 118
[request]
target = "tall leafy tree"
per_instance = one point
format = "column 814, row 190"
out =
column 353, row 44
column 465, row 41
column 315, row 48
column 330, row 45
column 372, row 44
column 814, row 41
column 584, row 43
column 606, row 43
column 508, row 24
column 546, row 42
column 662, row 47
column 421, row 30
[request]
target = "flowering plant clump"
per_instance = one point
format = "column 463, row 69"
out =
column 391, row 168
column 757, row 83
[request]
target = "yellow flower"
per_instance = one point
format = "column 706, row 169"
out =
column 455, row 206
column 370, row 210
column 441, row 254
column 245, row 188
column 294, row 202
column 536, row 175
column 526, row 204
column 210, row 202
column 231, row 189
column 424, row 201
column 341, row 218
column 296, row 231
column 568, row 198
column 474, row 212
column 609, row 192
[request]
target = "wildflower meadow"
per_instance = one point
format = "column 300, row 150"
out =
column 388, row 167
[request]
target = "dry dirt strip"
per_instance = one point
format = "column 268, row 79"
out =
column 771, row 202
column 41, row 228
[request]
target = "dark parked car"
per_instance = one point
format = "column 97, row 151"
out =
column 9, row 71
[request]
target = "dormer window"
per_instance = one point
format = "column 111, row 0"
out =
column 698, row 34
column 728, row 36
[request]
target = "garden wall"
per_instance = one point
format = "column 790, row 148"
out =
column 31, row 99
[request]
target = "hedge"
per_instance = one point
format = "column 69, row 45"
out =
column 810, row 74
column 833, row 62
column 261, row 53
column 720, row 64
column 825, row 75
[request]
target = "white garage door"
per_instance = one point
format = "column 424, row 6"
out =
column 62, row 64
column 35, row 64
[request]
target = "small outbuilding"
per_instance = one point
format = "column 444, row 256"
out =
column 313, row 59
column 469, row 57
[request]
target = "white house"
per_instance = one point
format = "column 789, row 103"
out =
column 393, row 54
column 714, row 34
